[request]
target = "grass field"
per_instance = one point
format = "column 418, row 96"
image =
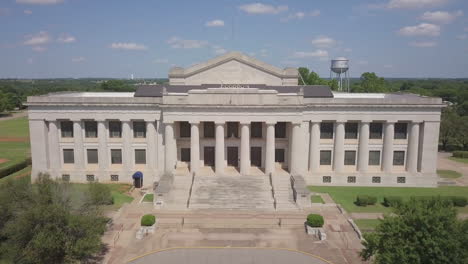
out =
column 449, row 174
column 118, row 192
column 346, row 196
column 21, row 173
column 148, row 197
column 316, row 199
column 367, row 225
column 462, row 160
column 14, row 141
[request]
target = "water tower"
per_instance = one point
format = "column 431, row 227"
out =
column 340, row 66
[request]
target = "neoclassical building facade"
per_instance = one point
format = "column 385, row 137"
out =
column 236, row 115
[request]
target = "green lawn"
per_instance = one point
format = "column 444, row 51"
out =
column 462, row 160
column 367, row 225
column 117, row 190
column 347, row 195
column 148, row 197
column 450, row 174
column 24, row 172
column 316, row 199
column 14, row 151
column 15, row 128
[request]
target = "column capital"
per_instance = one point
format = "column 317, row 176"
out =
column 100, row 120
column 366, row 121
column 416, row 121
column 244, row 123
column 166, row 122
column 341, row 121
column 194, row 122
column 125, row 120
column 316, row 121
column 219, row 123
column 149, row 120
column 390, row 121
column 76, row 119
column 269, row 123
column 47, row 119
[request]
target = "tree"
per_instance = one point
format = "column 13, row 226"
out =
column 304, row 75
column 461, row 131
column 448, row 125
column 421, row 231
column 117, row 86
column 312, row 78
column 370, row 83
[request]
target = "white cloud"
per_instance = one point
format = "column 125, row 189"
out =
column 315, row 13
column 300, row 15
column 27, row 12
column 441, row 17
column 259, row 8
column 410, row 4
column 215, row 23
column 178, row 43
column 313, row 54
column 40, row 38
column 423, row 44
column 78, row 59
column 162, row 61
column 219, row 50
column 323, row 42
column 39, row 2
column 128, row 46
column 423, row 29
column 66, row 38
column 462, row 36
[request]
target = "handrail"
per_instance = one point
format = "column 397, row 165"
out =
column 190, row 191
column 272, row 189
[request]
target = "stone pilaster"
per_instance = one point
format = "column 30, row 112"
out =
column 338, row 153
column 270, row 148
column 363, row 152
column 314, row 152
column 194, row 147
column 219, row 149
column 245, row 149
column 387, row 158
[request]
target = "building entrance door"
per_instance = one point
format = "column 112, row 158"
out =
column 256, row 156
column 233, row 156
column 209, row 156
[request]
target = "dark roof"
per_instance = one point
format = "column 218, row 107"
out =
column 310, row 91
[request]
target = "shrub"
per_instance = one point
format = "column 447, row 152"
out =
column 99, row 194
column 392, row 201
column 460, row 154
column 148, row 220
column 315, row 220
column 15, row 167
column 364, row 200
column 459, row 201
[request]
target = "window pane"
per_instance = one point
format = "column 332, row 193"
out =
column 256, row 129
column 326, row 130
column 325, row 157
column 139, row 129
column 374, row 157
column 400, row 130
column 375, row 130
column 280, row 130
column 184, row 129
column 66, row 128
column 90, row 129
column 279, row 155
column 68, row 156
column 351, row 130
column 140, row 156
column 232, row 129
column 350, row 157
column 208, row 129
column 92, row 156
column 115, row 129
column 116, row 156
column 398, row 158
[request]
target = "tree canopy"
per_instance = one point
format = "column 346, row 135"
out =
column 312, row 78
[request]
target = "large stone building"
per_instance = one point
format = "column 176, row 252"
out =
column 235, row 115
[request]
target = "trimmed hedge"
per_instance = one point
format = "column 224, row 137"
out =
column 459, row 201
column 392, row 201
column 148, row 220
column 15, row 167
column 460, row 154
column 315, row 220
column 365, row 200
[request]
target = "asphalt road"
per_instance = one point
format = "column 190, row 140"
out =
column 229, row 256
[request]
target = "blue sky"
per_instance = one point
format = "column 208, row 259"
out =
column 116, row 38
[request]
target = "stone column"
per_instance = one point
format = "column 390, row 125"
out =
column 413, row 147
column 170, row 147
column 296, row 148
column 338, row 157
column 219, row 149
column 314, row 152
column 245, row 149
column 387, row 158
column 39, row 147
column 103, row 151
column 194, row 147
column 54, row 147
column 270, row 148
column 79, row 149
column 363, row 152
column 127, row 136
column 429, row 140
column 151, row 144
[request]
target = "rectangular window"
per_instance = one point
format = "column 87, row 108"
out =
column 208, row 130
column 279, row 155
column 139, row 129
column 116, row 156
column 375, row 179
column 66, row 129
column 90, row 129
column 92, row 156
column 115, row 129
column 351, row 130
column 401, row 179
column 89, row 177
column 374, row 157
column 232, row 129
column 326, row 130
column 140, row 156
column 326, row 179
column 375, row 130
column 351, row 179
column 280, row 130
column 398, row 158
column 184, row 129
column 401, row 130
column 256, row 129
column 350, row 157
column 66, row 177
column 68, row 156
column 325, row 157
column 114, row 177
